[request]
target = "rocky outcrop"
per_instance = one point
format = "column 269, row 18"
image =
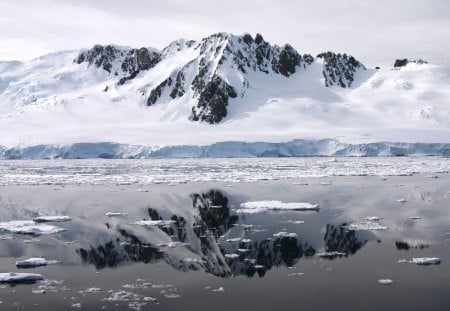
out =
column 403, row 62
column 339, row 69
column 119, row 61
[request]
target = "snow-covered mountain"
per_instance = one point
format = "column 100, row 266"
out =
column 222, row 88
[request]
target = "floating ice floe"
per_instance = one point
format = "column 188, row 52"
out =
column 368, row 225
column 29, row 227
column 415, row 217
column 116, row 214
column 283, row 234
column 264, row 206
column 401, row 200
column 52, row 219
column 385, row 281
column 233, row 240
column 332, row 254
column 172, row 244
column 373, row 218
column 296, row 222
column 423, row 261
column 12, row 277
column 160, row 223
column 232, row 256
column 34, row 262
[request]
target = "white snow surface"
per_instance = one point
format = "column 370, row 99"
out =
column 272, row 205
column 28, row 227
column 13, row 277
column 53, row 101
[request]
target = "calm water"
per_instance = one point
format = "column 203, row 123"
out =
column 225, row 259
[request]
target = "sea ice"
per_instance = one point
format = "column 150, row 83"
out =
column 116, row 214
column 425, row 261
column 385, row 281
column 373, row 218
column 160, row 223
column 264, row 206
column 356, row 226
column 283, row 234
column 12, row 277
column 34, row 262
column 329, row 255
column 232, row 256
column 28, row 227
column 52, row 218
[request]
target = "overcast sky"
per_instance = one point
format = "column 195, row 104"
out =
column 374, row 31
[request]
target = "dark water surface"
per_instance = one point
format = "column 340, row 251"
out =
column 112, row 264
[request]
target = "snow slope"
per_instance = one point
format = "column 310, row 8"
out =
column 192, row 95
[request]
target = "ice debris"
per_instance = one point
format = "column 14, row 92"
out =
column 52, row 219
column 116, row 214
column 13, row 277
column 368, row 225
column 283, row 234
column 423, row 261
column 330, row 255
column 29, row 227
column 385, row 281
column 159, row 223
column 264, row 206
column 34, row 262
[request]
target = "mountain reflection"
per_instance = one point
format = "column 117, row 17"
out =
column 341, row 240
column 199, row 241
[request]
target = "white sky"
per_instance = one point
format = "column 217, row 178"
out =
column 374, row 31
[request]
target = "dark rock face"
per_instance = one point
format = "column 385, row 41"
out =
column 157, row 91
column 119, row 61
column 213, row 101
column 339, row 69
column 403, row 62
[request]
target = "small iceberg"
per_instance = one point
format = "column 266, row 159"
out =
column 264, row 206
column 369, row 225
column 284, row 234
column 331, row 255
column 13, row 277
column 232, row 256
column 159, row 223
column 373, row 218
column 34, row 262
column 52, row 219
column 116, row 214
column 386, row 281
column 423, row 261
column 426, row 261
column 29, row 227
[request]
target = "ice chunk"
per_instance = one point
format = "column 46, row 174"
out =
column 160, row 223
column 373, row 218
column 283, row 234
column 232, row 256
column 233, row 240
column 385, row 281
column 356, row 226
column 172, row 244
column 28, row 227
column 116, row 214
column 425, row 261
column 401, row 200
column 12, row 277
column 331, row 255
column 34, row 262
column 52, row 218
column 264, row 206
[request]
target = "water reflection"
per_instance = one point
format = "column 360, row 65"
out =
column 200, row 240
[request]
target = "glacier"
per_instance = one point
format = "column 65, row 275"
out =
column 228, row 149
